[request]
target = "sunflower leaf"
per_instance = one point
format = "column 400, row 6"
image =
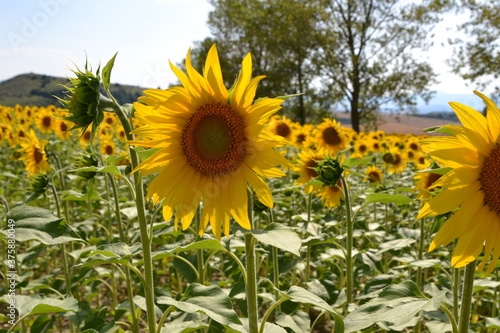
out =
column 210, row 300
column 394, row 306
column 438, row 129
column 34, row 223
column 280, row 236
column 111, row 254
column 353, row 161
column 106, row 73
column 32, row 305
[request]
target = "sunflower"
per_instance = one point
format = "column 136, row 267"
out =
column 425, row 181
column 45, row 120
column 373, row 175
column 108, row 147
column 394, row 160
column 34, row 155
column 330, row 137
column 472, row 185
column 213, row 141
column 282, row 126
column 306, row 162
column 331, row 196
column 62, row 129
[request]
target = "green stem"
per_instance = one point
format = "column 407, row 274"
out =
column 128, row 278
column 451, row 317
column 349, row 241
column 67, row 278
column 268, row 313
column 308, row 249
column 141, row 215
column 467, row 291
column 251, row 286
column 456, row 290
column 420, row 252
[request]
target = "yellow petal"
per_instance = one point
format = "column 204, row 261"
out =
column 456, row 178
column 471, row 118
column 259, row 186
column 492, row 116
column 242, row 82
column 470, row 245
column 491, row 225
column 459, row 223
column 447, row 200
column 239, row 201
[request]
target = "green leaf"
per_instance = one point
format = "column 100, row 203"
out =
column 492, row 322
column 106, row 73
column 299, row 321
column 104, row 169
column 396, row 244
column 438, row 171
column 33, row 223
column 205, row 244
column 352, row 161
column 75, row 196
column 438, row 129
column 395, row 306
column 280, row 236
column 32, row 305
column 144, row 154
column 301, row 295
column 116, row 253
column 210, row 300
column 398, row 199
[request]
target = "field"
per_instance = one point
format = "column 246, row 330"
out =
column 346, row 256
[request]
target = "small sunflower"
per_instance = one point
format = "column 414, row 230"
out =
column 394, row 160
column 425, row 181
column 373, row 175
column 282, row 126
column 307, row 161
column 330, row 138
column 34, row 155
column 472, row 186
column 331, row 196
column 45, row 120
column 108, row 147
column 213, row 141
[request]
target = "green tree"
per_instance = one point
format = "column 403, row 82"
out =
column 280, row 34
column 367, row 53
column 477, row 58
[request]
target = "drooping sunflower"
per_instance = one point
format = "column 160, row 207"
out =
column 472, row 185
column 34, row 155
column 213, row 141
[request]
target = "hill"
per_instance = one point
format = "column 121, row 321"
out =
column 39, row 90
column 404, row 123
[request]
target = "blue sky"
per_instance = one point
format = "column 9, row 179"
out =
column 51, row 36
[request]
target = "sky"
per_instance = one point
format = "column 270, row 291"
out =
column 54, row 36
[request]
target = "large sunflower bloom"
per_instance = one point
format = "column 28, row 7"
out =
column 212, row 141
column 330, row 137
column 473, row 185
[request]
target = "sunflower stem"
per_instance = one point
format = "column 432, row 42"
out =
column 128, row 278
column 468, row 288
column 251, row 271
column 349, row 241
column 456, row 290
column 141, row 215
column 251, row 286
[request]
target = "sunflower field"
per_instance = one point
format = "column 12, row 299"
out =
column 200, row 209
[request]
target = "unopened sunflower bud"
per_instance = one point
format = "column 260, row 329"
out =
column 329, row 171
column 82, row 100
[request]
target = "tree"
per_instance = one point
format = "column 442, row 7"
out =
column 477, row 58
column 280, row 36
column 367, row 53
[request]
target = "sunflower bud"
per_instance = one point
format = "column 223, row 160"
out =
column 82, row 101
column 38, row 185
column 85, row 161
column 329, row 171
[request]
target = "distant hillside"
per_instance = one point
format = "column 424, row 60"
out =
column 39, row 90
